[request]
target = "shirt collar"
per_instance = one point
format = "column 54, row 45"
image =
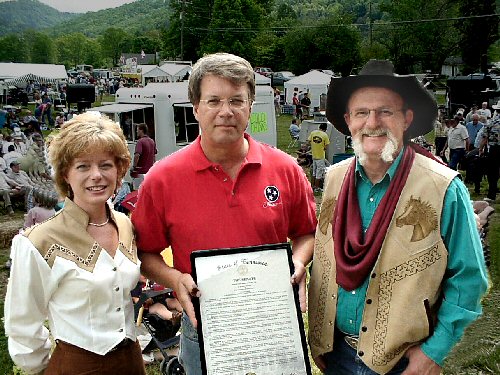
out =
column 200, row 162
column 360, row 172
column 79, row 214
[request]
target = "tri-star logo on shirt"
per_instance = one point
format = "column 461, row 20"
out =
column 272, row 195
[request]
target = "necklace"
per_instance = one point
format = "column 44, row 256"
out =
column 99, row 224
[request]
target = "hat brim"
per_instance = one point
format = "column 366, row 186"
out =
column 415, row 96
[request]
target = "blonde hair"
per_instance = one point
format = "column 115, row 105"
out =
column 89, row 132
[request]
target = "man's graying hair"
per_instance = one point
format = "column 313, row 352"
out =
column 225, row 65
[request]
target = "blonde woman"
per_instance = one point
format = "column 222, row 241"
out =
column 78, row 267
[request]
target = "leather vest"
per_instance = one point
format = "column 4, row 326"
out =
column 404, row 291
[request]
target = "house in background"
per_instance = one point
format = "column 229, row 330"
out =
column 452, row 66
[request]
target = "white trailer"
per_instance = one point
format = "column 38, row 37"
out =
column 165, row 108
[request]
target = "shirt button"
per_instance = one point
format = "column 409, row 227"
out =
column 216, row 169
column 232, row 193
column 371, row 199
column 353, row 292
column 114, row 268
column 369, row 301
column 364, row 329
column 334, row 296
column 350, row 321
column 120, row 330
column 118, row 309
column 117, row 288
column 361, row 354
column 225, row 179
column 330, row 323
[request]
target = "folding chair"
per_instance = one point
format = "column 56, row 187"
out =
column 293, row 141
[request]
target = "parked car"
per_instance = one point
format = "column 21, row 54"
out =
column 264, row 71
column 279, row 78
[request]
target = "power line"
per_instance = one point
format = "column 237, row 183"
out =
column 375, row 24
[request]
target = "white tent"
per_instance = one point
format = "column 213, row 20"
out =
column 314, row 82
column 261, row 79
column 176, row 72
column 156, row 74
column 48, row 72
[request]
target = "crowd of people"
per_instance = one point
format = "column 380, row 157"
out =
column 472, row 141
column 398, row 270
column 25, row 173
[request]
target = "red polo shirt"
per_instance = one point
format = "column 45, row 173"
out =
column 189, row 203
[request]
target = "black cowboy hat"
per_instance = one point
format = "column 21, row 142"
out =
column 380, row 73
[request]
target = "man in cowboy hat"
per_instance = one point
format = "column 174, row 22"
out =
column 398, row 266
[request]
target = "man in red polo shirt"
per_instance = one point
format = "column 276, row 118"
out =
column 224, row 190
column 144, row 156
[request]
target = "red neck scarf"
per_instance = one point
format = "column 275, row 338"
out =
column 355, row 254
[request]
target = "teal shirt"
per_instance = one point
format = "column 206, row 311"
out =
column 466, row 277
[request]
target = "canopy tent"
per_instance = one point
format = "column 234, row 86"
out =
column 261, row 79
column 177, row 72
column 155, row 75
column 25, row 79
column 120, row 107
column 314, row 82
column 20, row 73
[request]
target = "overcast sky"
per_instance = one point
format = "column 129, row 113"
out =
column 82, row 6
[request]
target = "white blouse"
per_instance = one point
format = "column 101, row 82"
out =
column 85, row 298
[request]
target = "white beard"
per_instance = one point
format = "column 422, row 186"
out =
column 387, row 152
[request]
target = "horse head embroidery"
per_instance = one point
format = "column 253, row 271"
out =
column 421, row 215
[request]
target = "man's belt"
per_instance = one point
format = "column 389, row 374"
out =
column 352, row 341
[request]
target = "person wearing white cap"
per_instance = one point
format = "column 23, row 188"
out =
column 484, row 110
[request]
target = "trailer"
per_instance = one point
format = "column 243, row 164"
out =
column 166, row 109
column 464, row 91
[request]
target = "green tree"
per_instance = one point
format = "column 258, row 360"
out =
column 112, row 44
column 414, row 41
column 331, row 44
column 234, row 23
column 477, row 34
column 187, row 29
column 14, row 48
column 71, row 49
column 42, row 49
column 93, row 54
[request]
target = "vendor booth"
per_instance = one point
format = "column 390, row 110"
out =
column 315, row 83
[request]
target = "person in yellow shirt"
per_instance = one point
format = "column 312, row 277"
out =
column 319, row 141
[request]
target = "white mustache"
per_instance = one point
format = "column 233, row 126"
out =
column 373, row 132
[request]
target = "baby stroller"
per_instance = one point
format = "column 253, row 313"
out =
column 163, row 332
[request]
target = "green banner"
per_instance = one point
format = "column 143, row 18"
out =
column 258, row 123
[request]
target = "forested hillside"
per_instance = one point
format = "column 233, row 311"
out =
column 296, row 35
column 137, row 17
column 17, row 16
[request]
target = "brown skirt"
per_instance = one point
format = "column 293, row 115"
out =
column 68, row 359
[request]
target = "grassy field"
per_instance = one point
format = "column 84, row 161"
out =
column 477, row 353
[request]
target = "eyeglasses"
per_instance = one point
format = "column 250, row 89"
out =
column 234, row 103
column 364, row 113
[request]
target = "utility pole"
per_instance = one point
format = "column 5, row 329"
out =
column 182, row 29
column 371, row 23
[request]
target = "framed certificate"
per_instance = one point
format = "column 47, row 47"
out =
column 249, row 318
